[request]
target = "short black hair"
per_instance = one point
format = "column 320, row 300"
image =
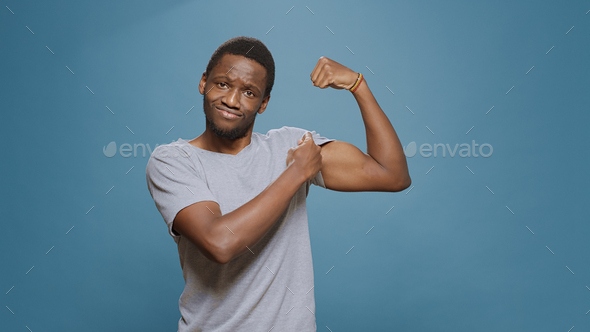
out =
column 250, row 48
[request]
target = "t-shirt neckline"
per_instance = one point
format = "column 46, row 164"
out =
column 242, row 152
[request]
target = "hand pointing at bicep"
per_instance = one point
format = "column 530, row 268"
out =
column 306, row 156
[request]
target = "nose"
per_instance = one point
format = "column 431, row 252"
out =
column 231, row 98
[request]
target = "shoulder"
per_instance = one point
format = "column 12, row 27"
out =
column 283, row 130
column 275, row 134
column 172, row 153
column 173, row 149
column 285, row 136
column 294, row 133
column 286, row 131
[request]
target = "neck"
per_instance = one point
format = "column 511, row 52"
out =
column 211, row 142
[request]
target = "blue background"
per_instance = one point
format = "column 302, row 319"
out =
column 450, row 255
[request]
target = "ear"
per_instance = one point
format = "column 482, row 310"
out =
column 202, row 83
column 263, row 104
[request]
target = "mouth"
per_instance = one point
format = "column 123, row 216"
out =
column 227, row 113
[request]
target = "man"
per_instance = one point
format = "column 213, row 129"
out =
column 234, row 199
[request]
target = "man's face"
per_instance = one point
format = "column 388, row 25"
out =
column 233, row 95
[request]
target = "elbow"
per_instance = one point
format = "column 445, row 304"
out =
column 401, row 184
column 215, row 251
column 221, row 260
column 222, row 254
column 217, row 256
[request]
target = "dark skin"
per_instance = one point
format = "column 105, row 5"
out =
column 236, row 84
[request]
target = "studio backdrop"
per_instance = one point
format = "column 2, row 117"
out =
column 489, row 99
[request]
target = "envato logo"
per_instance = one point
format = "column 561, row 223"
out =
column 465, row 150
column 127, row 150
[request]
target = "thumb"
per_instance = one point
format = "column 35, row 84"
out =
column 289, row 159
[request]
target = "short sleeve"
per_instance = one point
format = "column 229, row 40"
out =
column 174, row 182
column 318, row 139
column 298, row 133
column 318, row 180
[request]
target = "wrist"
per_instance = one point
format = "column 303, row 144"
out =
column 362, row 92
column 352, row 79
column 295, row 174
column 357, row 83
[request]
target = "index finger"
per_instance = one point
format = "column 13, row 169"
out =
column 316, row 69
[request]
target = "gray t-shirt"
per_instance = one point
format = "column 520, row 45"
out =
column 273, row 286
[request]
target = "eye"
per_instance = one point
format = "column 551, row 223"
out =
column 222, row 84
column 249, row 93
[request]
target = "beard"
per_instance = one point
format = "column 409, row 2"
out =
column 236, row 133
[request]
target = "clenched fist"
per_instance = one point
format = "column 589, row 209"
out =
column 329, row 73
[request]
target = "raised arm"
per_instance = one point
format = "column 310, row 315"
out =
column 222, row 237
column 344, row 166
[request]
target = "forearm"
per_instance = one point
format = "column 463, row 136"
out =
column 383, row 145
column 246, row 225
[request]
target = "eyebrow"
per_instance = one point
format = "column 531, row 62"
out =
column 247, row 85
